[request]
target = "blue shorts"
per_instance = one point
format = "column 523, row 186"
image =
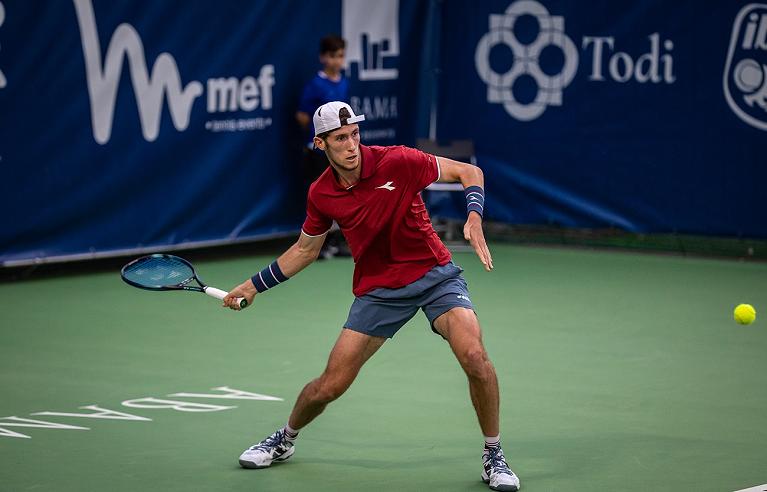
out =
column 381, row 312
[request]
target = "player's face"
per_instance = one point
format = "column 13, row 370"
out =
column 343, row 147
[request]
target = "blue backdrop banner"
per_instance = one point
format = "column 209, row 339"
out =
column 136, row 125
column 140, row 125
column 647, row 116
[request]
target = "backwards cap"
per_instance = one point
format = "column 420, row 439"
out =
column 333, row 115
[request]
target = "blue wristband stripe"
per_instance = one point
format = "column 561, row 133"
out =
column 474, row 207
column 269, row 277
column 276, row 272
column 475, row 200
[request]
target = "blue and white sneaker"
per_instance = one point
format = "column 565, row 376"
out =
column 496, row 473
column 274, row 448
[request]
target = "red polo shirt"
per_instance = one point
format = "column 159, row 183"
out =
column 383, row 217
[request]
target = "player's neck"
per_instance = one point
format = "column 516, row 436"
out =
column 347, row 178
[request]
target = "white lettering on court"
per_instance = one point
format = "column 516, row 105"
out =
column 19, row 422
column 101, row 413
column 231, row 393
column 181, row 406
column 97, row 412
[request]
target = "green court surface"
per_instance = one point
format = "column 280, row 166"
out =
column 618, row 372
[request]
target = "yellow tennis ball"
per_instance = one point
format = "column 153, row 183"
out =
column 745, row 314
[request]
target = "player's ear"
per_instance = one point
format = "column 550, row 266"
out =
column 319, row 143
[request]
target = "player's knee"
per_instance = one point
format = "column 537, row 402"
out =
column 330, row 389
column 326, row 394
column 459, row 321
column 475, row 362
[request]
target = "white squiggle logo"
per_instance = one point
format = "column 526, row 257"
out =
column 746, row 66
column 225, row 94
column 551, row 32
column 103, row 80
column 3, row 81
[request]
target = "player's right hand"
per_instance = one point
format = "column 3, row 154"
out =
column 473, row 233
column 246, row 290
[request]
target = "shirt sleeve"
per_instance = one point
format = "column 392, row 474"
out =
column 421, row 167
column 316, row 223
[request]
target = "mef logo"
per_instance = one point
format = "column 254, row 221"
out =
column 745, row 72
column 160, row 85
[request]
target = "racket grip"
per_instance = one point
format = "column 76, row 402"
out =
column 220, row 294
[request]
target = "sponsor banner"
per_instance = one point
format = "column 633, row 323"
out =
column 650, row 117
column 139, row 125
column 384, row 60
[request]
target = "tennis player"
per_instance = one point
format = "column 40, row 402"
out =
column 401, row 265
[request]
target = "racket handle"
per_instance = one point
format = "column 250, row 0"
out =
column 220, row 294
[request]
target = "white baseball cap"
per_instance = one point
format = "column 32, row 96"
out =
column 333, row 115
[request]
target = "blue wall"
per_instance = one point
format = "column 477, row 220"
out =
column 137, row 125
column 639, row 123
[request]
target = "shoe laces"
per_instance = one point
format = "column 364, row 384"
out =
column 270, row 442
column 497, row 460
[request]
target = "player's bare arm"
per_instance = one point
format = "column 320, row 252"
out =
column 296, row 258
column 471, row 178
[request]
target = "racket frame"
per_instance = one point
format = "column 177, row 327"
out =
column 183, row 285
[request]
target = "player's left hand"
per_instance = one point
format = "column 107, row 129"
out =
column 246, row 290
column 473, row 233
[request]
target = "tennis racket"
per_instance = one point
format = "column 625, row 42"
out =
column 168, row 272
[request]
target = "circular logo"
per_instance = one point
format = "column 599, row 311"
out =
column 526, row 60
column 748, row 75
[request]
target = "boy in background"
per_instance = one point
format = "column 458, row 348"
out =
column 329, row 84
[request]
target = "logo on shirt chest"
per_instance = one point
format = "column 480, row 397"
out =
column 387, row 186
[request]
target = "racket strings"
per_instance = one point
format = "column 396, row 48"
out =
column 160, row 271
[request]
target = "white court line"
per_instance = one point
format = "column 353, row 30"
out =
column 758, row 488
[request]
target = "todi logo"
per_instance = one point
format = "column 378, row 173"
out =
column 607, row 63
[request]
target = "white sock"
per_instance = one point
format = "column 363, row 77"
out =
column 290, row 433
column 493, row 442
